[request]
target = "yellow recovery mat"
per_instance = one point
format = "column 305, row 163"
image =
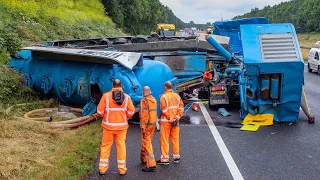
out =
column 250, row 127
column 253, row 122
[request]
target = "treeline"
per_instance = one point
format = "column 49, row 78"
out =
column 140, row 16
column 304, row 14
column 198, row 26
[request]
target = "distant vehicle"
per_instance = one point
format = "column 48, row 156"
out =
column 209, row 30
column 317, row 44
column 166, row 29
column 193, row 31
column 314, row 60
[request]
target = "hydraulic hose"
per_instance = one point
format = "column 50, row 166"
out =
column 28, row 114
column 75, row 125
column 8, row 110
column 72, row 121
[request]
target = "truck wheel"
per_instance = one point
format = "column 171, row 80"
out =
column 309, row 69
column 319, row 70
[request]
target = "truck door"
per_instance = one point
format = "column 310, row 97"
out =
column 311, row 59
column 316, row 61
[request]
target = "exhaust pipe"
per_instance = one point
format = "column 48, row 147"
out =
column 265, row 86
column 305, row 107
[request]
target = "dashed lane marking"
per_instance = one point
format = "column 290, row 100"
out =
column 236, row 174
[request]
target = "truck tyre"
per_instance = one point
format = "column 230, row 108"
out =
column 309, row 69
column 319, row 70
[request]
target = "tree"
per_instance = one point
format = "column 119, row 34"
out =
column 303, row 14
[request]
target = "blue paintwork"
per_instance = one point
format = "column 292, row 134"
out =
column 232, row 30
column 288, row 96
column 63, row 79
column 219, row 48
column 70, row 81
column 274, row 88
column 265, row 84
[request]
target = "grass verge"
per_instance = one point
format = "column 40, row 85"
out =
column 306, row 43
column 31, row 150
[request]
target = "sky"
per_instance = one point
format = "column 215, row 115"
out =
column 203, row 11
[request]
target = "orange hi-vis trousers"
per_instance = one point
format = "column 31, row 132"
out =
column 105, row 149
column 147, row 155
column 172, row 132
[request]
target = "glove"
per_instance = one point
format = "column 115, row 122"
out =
column 172, row 119
column 175, row 123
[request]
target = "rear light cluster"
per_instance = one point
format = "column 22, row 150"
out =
column 219, row 88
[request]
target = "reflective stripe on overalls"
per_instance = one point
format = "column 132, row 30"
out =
column 108, row 109
column 164, row 119
column 149, row 110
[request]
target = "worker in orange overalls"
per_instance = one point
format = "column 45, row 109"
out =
column 171, row 111
column 115, row 107
column 148, row 119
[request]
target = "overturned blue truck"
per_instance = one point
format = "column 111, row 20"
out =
column 253, row 63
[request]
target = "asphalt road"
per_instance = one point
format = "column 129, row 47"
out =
column 282, row 151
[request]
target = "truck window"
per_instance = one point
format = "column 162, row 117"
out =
column 316, row 56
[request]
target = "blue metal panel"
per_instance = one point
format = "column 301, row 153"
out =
column 232, row 30
column 287, row 95
column 251, row 46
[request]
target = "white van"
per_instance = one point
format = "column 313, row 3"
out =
column 314, row 60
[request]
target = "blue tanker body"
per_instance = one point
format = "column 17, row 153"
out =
column 75, row 83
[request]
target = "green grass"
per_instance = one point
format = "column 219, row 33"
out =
column 75, row 156
column 308, row 40
column 306, row 43
column 12, row 89
column 31, row 150
column 23, row 23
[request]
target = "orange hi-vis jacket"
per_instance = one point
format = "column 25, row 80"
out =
column 148, row 112
column 172, row 107
column 115, row 117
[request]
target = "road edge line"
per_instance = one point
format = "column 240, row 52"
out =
column 233, row 168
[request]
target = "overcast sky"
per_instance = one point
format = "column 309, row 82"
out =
column 203, row 11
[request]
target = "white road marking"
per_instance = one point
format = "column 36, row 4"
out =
column 236, row 174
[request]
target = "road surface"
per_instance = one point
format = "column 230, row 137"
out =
column 282, row 151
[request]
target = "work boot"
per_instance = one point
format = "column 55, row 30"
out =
column 101, row 173
column 149, row 169
column 177, row 160
column 162, row 163
column 122, row 174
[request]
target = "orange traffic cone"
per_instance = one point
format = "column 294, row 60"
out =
column 195, row 107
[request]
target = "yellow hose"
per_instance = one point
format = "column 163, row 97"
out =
column 28, row 114
column 8, row 110
column 62, row 124
column 72, row 121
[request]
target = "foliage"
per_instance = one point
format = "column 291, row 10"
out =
column 68, row 11
column 304, row 14
column 12, row 90
column 25, row 22
column 140, row 16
